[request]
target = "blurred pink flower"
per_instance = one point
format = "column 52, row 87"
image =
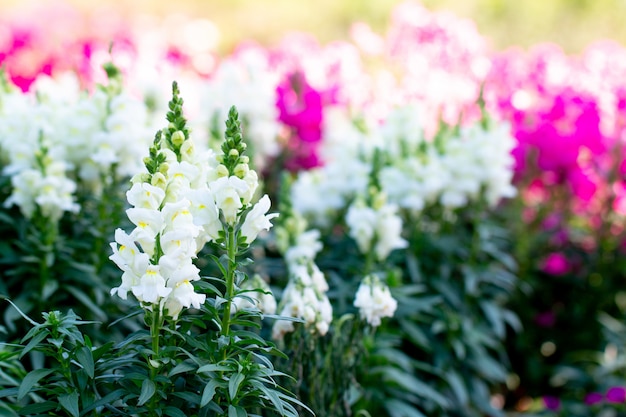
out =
column 616, row 394
column 556, row 263
column 552, row 403
column 593, row 398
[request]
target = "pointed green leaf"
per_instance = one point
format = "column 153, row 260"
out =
column 30, row 380
column 148, row 388
column 85, row 358
column 174, row 412
column 209, row 392
column 181, row 368
column 233, row 385
column 34, row 342
column 70, row 403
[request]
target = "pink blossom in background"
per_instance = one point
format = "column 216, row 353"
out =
column 556, row 264
column 546, row 319
column 301, row 109
column 552, row 403
column 593, row 398
column 616, row 394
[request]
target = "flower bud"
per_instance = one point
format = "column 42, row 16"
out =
column 244, row 159
column 241, row 170
column 233, row 153
column 159, row 180
column 141, row 177
column 178, row 138
column 222, row 171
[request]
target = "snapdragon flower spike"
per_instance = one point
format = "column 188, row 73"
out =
column 170, row 223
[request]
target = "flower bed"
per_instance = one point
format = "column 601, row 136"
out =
column 444, row 237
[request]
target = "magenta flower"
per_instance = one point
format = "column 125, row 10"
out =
column 556, row 264
column 552, row 403
column 301, row 109
column 616, row 394
column 593, row 398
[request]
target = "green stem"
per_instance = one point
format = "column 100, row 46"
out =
column 231, row 248
column 155, row 333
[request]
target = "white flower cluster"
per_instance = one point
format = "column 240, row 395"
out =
column 304, row 296
column 374, row 300
column 59, row 138
column 186, row 199
column 452, row 170
column 246, row 81
column 377, row 228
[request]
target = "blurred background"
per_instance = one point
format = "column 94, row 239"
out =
column 573, row 24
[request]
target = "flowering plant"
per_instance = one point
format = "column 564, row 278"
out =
column 200, row 355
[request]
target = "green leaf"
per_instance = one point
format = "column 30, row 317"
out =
column 414, row 385
column 174, row 412
column 85, row 358
column 30, row 380
column 34, row 342
column 148, row 388
column 70, row 403
column 209, row 392
column 107, row 399
column 213, row 367
column 272, row 395
column 233, row 384
column 397, row 408
column 181, row 368
column 38, row 408
column 458, row 387
column 236, row 411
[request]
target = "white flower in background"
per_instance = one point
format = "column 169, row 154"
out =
column 304, row 297
column 245, row 80
column 306, row 246
column 377, row 228
column 374, row 300
column 255, row 294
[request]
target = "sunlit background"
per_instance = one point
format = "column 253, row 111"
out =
column 570, row 23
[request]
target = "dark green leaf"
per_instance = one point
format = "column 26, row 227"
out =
column 181, row 368
column 209, row 392
column 85, row 358
column 148, row 388
column 30, row 380
column 38, row 408
column 70, row 403
column 174, row 412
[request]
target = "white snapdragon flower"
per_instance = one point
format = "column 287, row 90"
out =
column 151, row 287
column 182, row 296
column 361, row 221
column 130, row 260
column 374, row 300
column 257, row 220
column 228, row 193
column 144, row 195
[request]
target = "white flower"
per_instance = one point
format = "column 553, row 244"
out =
column 256, row 220
column 306, row 247
column 362, row 222
column 374, row 300
column 228, row 193
column 205, row 214
column 151, row 287
column 130, row 260
column 144, row 195
column 183, row 295
column 388, row 230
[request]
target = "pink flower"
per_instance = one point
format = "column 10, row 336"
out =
column 593, row 398
column 552, row 403
column 616, row 395
column 556, row 263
